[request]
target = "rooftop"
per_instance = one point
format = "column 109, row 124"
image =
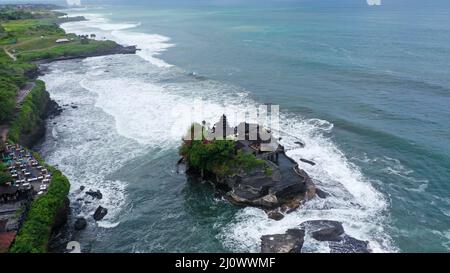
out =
column 6, row 239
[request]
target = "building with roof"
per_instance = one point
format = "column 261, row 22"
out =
column 6, row 239
column 62, row 41
column 8, row 193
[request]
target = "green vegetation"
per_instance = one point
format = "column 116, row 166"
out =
column 66, row 50
column 31, row 114
column 12, row 78
column 30, row 11
column 4, row 175
column 30, row 38
column 219, row 157
column 31, row 34
column 36, row 230
column 2, row 32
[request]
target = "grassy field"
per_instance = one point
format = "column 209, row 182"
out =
column 65, row 50
column 32, row 36
column 12, row 78
column 35, row 39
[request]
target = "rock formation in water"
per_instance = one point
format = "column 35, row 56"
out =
column 100, row 213
column 248, row 164
column 328, row 231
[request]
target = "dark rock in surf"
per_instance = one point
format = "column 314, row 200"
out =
column 322, row 194
column 82, row 188
column 349, row 244
column 80, row 223
column 308, row 161
column 53, row 110
column 100, row 213
column 289, row 242
column 321, row 230
column 324, row 230
column 95, row 194
column 300, row 143
column 275, row 215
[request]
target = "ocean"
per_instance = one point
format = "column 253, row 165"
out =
column 365, row 87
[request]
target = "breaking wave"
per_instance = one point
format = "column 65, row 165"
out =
column 136, row 110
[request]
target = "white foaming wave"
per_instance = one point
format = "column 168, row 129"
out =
column 445, row 235
column 331, row 167
column 149, row 45
column 77, row 151
column 95, row 20
column 145, row 114
column 353, row 200
column 395, row 167
column 105, row 224
column 136, row 114
column 148, row 113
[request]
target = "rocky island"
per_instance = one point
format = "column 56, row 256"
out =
column 250, row 167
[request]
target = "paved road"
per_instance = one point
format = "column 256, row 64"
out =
column 4, row 129
column 10, row 55
column 24, row 92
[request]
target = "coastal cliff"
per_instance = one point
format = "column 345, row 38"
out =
column 105, row 48
column 26, row 104
column 29, row 125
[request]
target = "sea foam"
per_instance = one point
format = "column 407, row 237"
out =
column 145, row 110
column 148, row 45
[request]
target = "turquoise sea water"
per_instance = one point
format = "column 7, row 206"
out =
column 367, row 89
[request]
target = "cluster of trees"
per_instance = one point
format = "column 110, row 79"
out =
column 219, row 157
column 5, row 176
column 30, row 11
column 13, row 14
column 46, row 30
column 11, row 79
column 31, row 114
column 2, row 32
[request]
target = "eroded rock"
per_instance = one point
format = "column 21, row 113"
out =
column 324, row 230
column 275, row 215
column 100, row 213
column 322, row 194
column 95, row 194
column 349, row 244
column 320, row 230
column 289, row 242
column 80, row 223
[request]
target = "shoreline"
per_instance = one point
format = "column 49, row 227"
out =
column 326, row 217
column 54, row 109
column 45, row 108
column 58, row 60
